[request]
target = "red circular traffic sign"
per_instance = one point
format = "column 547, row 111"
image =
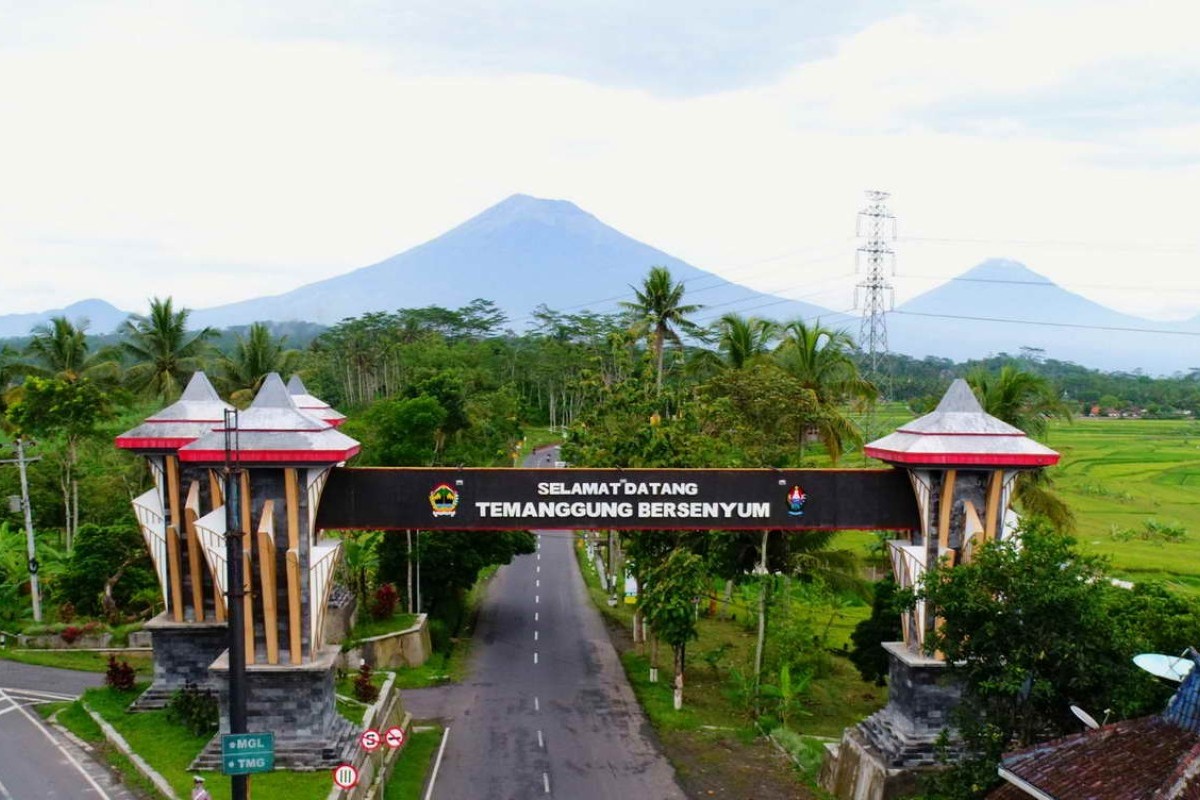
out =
column 394, row 736
column 345, row 776
column 369, row 739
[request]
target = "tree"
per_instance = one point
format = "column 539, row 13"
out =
column 163, row 351
column 820, row 359
column 658, row 311
column 669, row 601
column 56, row 409
column 399, row 433
column 255, row 356
column 743, row 340
column 107, row 569
column 867, row 655
column 1031, row 627
column 60, row 349
column 1026, row 401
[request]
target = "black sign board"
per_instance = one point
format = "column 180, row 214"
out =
column 506, row 499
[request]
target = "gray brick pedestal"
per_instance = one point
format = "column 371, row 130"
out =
column 882, row 757
column 297, row 704
column 182, row 653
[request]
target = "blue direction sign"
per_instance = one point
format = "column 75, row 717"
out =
column 247, row 753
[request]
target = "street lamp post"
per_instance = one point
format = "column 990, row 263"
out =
column 239, row 784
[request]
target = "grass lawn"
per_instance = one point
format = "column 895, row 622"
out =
column 169, row 748
column 86, row 661
column 415, row 762
column 367, row 627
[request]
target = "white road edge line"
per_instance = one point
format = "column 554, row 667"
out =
column 35, row 693
column 546, row 782
column 535, row 656
column 437, row 764
column 541, row 742
column 535, row 616
column 537, row 706
column 538, row 582
column 75, row 763
column 5, row 793
column 537, row 599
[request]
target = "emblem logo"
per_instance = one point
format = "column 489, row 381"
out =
column 443, row 500
column 796, row 500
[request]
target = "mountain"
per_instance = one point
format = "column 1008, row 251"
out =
column 1002, row 306
column 520, row 253
column 101, row 317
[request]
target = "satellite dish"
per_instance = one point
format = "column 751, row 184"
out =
column 1085, row 718
column 1172, row 668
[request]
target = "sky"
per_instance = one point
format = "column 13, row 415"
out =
column 216, row 151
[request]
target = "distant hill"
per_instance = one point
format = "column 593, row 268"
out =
column 1001, row 306
column 102, row 318
column 527, row 251
column 520, row 253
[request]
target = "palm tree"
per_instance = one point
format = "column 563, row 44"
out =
column 658, row 311
column 254, row 356
column 164, row 352
column 59, row 349
column 819, row 358
column 1026, row 401
column 743, row 339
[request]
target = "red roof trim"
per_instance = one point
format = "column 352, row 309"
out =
column 911, row 432
column 152, row 442
column 982, row 459
column 271, row 456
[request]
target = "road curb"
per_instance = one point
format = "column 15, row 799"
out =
column 118, row 741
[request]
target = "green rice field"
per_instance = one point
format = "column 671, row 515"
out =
column 1117, row 474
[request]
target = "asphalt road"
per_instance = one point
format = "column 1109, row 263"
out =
column 36, row 761
column 547, row 710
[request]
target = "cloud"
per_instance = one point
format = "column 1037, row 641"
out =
column 191, row 156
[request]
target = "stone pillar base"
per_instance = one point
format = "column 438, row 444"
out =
column 183, row 652
column 883, row 756
column 297, row 704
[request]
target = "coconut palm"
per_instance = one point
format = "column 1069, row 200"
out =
column 1026, row 401
column 820, row 359
column 164, row 352
column 659, row 312
column 254, row 356
column 60, row 349
column 743, row 339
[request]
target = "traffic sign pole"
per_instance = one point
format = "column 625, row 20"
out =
column 239, row 784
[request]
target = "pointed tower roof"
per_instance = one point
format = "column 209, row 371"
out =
column 313, row 405
column 960, row 433
column 274, row 430
column 197, row 411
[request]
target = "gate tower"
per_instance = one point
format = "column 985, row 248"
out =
column 962, row 463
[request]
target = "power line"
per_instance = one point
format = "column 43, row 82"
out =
column 1080, row 326
column 1171, row 248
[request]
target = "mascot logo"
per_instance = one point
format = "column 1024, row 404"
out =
column 796, row 499
column 444, row 500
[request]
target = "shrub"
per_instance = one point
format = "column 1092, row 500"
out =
column 195, row 708
column 70, row 633
column 364, row 690
column 439, row 636
column 119, row 676
column 383, row 604
column 66, row 612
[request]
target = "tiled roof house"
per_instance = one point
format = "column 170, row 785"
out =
column 1150, row 758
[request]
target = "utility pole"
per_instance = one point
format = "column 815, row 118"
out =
column 239, row 784
column 34, row 591
column 874, row 294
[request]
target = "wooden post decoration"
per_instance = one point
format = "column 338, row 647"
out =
column 945, row 507
column 191, row 512
column 266, row 573
column 173, row 568
column 293, row 577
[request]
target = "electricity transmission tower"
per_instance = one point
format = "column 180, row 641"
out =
column 873, row 295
